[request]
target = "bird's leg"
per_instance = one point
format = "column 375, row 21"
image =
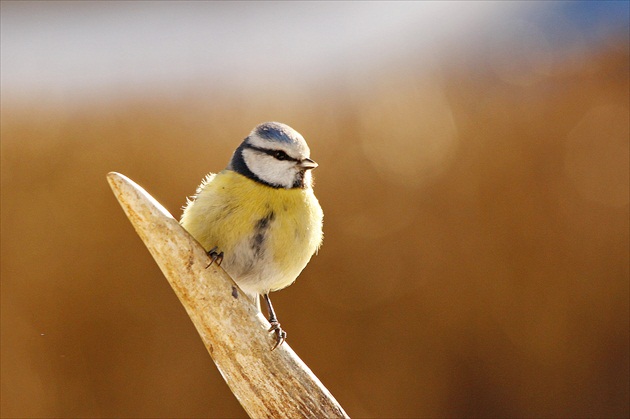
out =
column 215, row 256
column 281, row 335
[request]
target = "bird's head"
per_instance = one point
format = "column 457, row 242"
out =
column 276, row 155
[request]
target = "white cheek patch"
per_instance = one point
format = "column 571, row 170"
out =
column 270, row 169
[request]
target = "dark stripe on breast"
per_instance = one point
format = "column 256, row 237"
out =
column 260, row 233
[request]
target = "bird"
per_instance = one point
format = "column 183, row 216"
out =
column 259, row 217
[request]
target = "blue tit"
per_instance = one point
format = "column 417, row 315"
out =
column 259, row 217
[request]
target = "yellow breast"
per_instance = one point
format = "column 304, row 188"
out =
column 267, row 234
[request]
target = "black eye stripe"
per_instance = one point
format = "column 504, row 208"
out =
column 273, row 153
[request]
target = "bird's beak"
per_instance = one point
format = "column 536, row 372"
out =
column 307, row 164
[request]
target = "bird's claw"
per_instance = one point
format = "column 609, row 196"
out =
column 215, row 257
column 281, row 335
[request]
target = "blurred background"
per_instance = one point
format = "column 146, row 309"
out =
column 473, row 173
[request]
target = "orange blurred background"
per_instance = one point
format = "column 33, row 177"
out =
column 476, row 252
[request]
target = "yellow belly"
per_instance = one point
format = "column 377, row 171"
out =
column 268, row 235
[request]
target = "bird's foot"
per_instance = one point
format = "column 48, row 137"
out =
column 215, row 257
column 281, row 335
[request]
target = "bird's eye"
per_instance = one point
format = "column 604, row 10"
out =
column 280, row 155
